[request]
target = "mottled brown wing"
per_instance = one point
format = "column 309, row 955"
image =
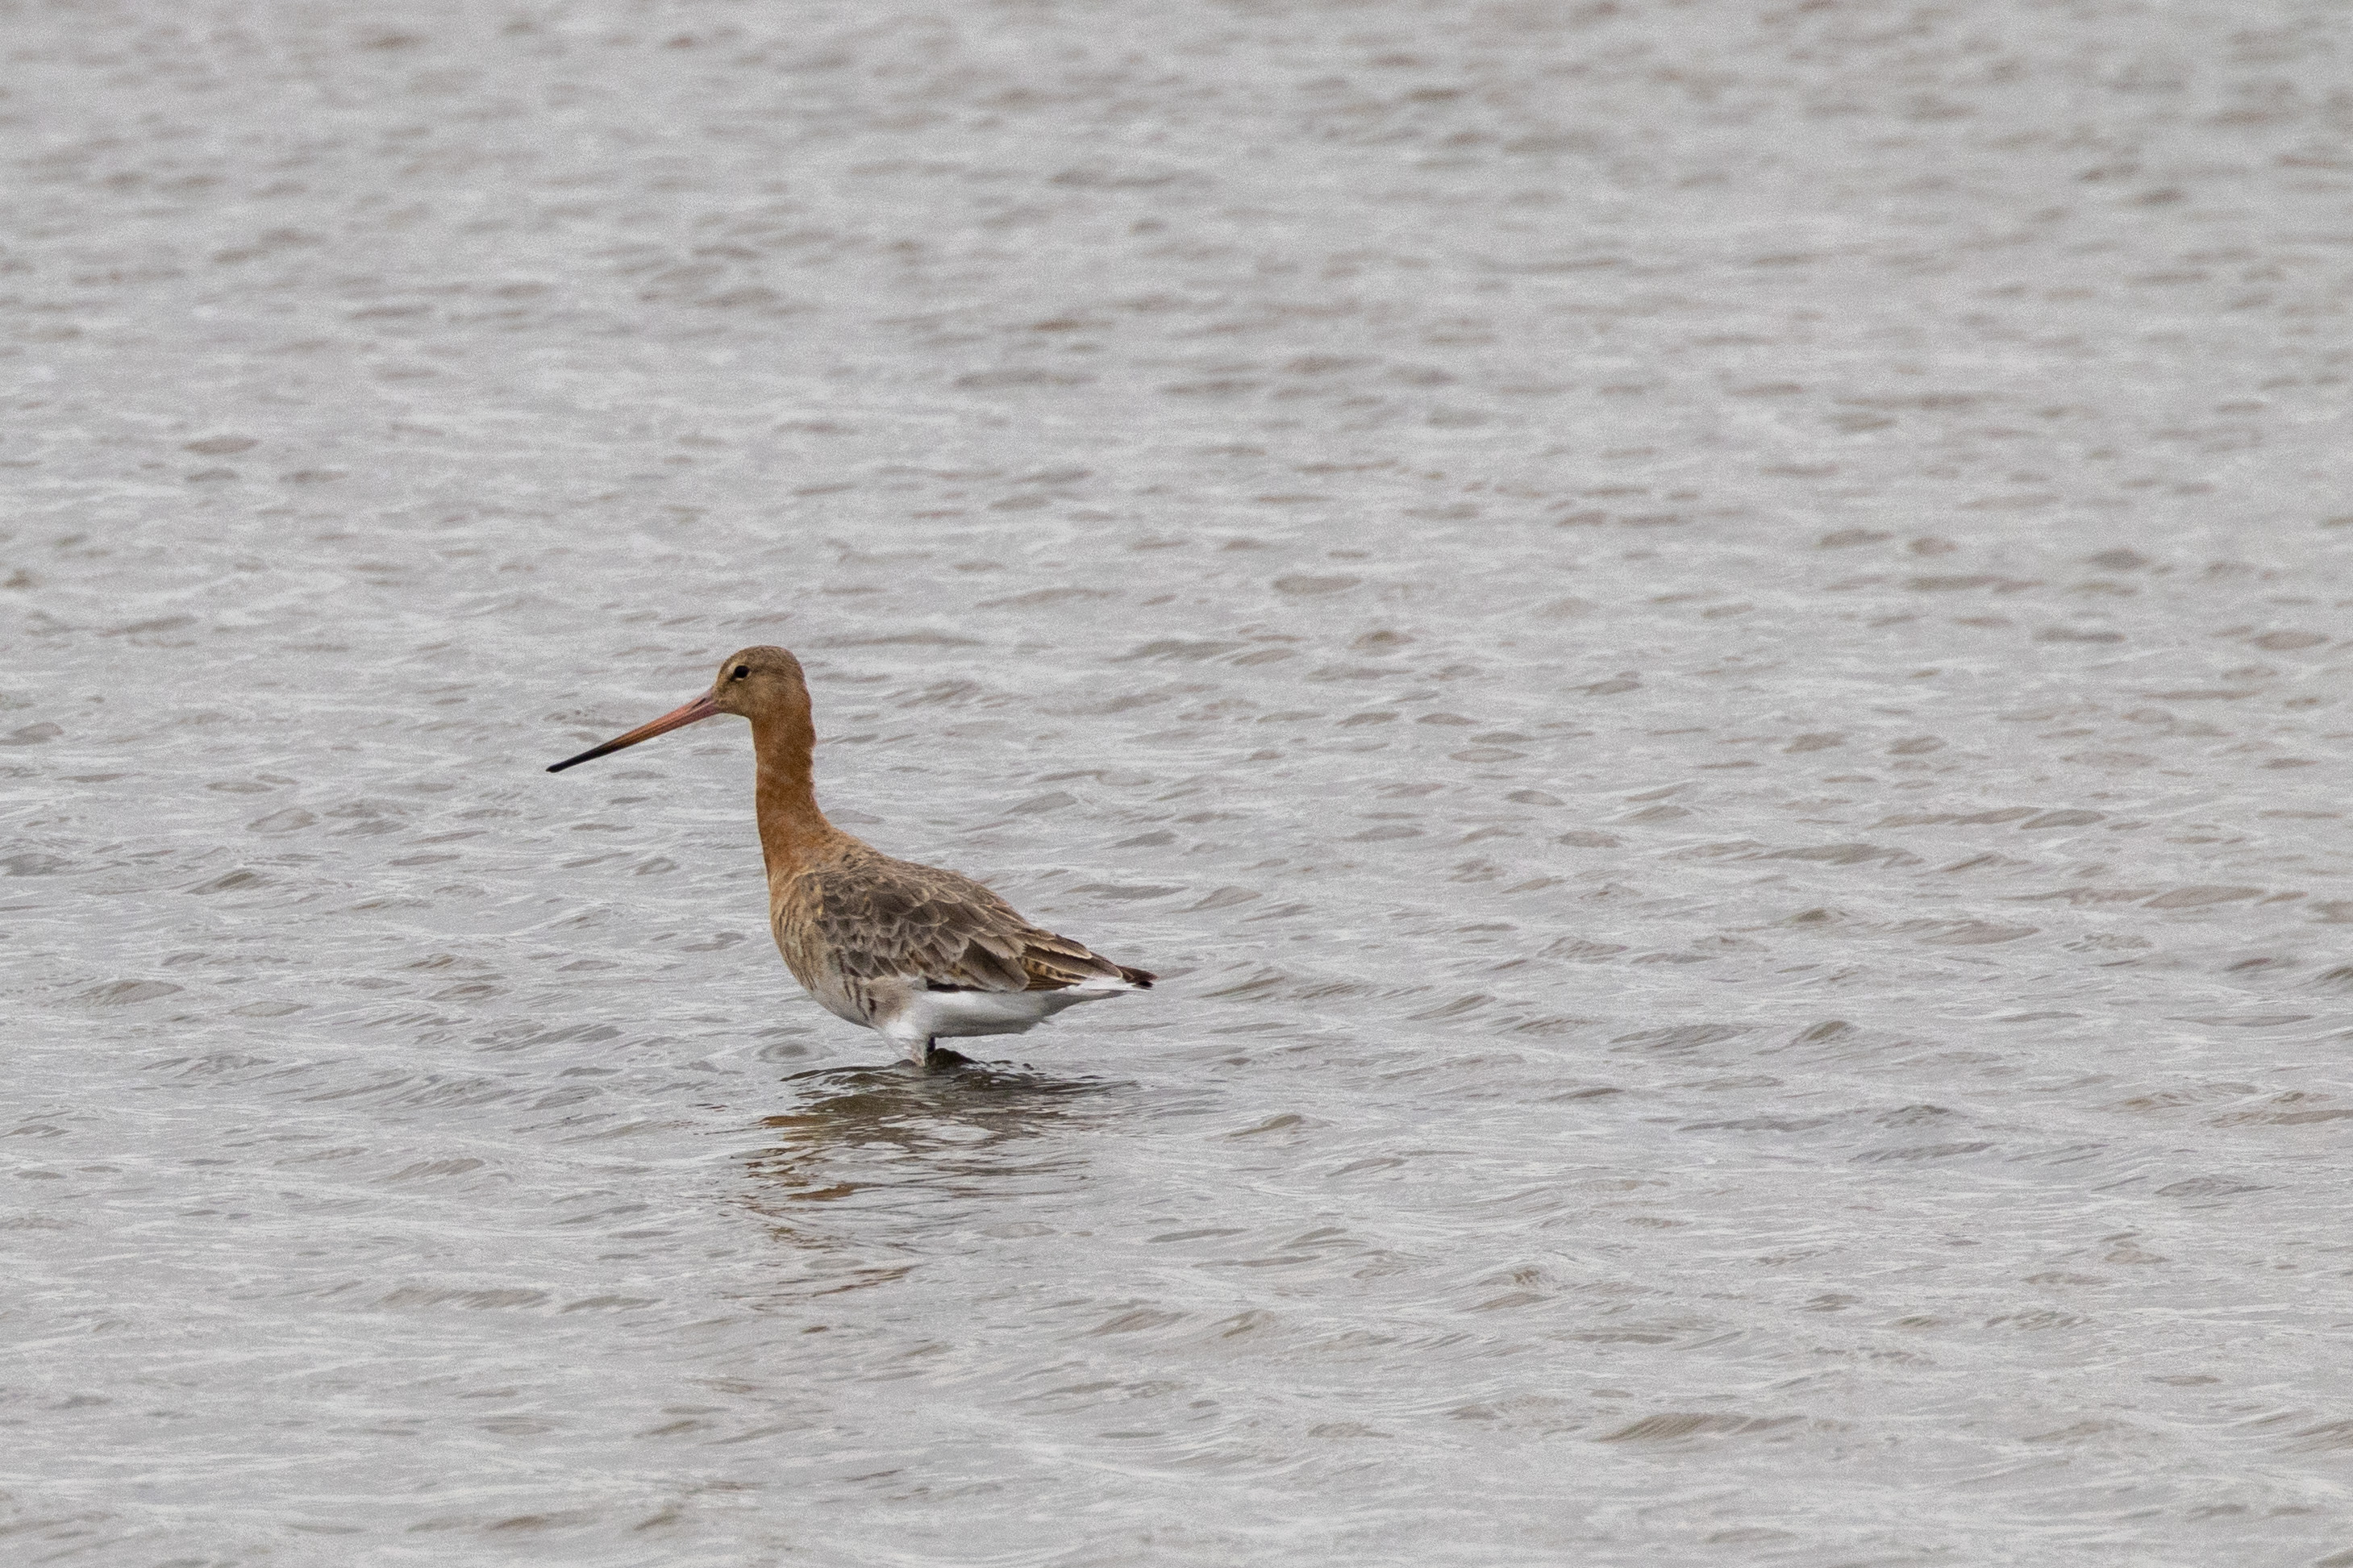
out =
column 887, row 919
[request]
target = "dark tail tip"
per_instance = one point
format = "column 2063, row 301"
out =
column 1141, row 979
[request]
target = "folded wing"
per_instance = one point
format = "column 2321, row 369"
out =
column 884, row 920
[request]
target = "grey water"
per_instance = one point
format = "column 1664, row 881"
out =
column 1707, row 640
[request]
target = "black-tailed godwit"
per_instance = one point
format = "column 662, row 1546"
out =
column 913, row 952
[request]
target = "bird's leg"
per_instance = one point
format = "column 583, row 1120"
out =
column 937, row 1057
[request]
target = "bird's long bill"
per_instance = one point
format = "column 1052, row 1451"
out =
column 678, row 719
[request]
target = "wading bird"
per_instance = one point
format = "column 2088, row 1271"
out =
column 913, row 952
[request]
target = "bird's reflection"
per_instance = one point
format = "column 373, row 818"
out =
column 969, row 1129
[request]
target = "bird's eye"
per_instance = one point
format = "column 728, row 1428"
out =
column 741, row 670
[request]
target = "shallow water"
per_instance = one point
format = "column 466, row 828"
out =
column 1702, row 639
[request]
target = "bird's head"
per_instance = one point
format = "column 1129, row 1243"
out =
column 751, row 681
column 755, row 678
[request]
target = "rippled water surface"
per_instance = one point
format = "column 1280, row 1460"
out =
column 1705, row 640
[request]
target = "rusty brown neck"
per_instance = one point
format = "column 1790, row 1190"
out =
column 793, row 831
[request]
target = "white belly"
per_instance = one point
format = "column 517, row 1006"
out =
column 911, row 1014
column 940, row 1015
